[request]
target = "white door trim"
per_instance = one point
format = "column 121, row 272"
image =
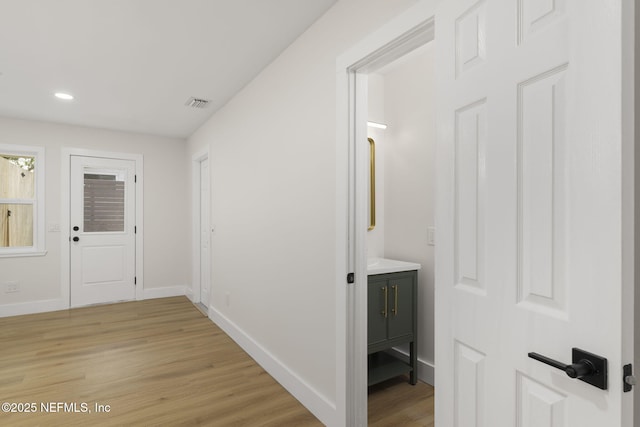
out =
column 404, row 33
column 194, row 292
column 631, row 192
column 65, row 183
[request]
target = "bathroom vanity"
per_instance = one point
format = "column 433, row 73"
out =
column 392, row 318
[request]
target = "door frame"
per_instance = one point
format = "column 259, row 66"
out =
column 413, row 28
column 65, row 211
column 196, row 160
column 631, row 188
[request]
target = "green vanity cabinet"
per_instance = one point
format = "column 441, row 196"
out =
column 392, row 321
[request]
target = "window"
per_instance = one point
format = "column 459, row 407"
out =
column 21, row 200
column 103, row 202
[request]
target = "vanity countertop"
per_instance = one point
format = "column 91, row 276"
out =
column 383, row 265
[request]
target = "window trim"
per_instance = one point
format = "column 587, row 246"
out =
column 38, row 248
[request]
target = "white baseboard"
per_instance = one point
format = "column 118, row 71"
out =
column 188, row 292
column 426, row 370
column 315, row 402
column 33, row 307
column 165, row 292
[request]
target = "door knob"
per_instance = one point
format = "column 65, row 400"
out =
column 76, row 239
column 585, row 366
column 76, row 228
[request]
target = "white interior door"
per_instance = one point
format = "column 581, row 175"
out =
column 205, row 254
column 529, row 212
column 102, row 220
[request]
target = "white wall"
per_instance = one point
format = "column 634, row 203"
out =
column 166, row 212
column 273, row 174
column 375, row 237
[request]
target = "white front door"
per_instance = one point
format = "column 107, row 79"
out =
column 530, row 213
column 102, row 220
column 205, row 255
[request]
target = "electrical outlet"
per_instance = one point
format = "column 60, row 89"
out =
column 11, row 287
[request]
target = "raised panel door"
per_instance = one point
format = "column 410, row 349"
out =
column 102, row 235
column 534, row 210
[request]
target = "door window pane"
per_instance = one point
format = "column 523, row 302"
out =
column 16, row 225
column 103, row 203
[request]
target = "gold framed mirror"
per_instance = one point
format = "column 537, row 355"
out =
column 372, row 184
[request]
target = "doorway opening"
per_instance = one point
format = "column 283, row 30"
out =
column 400, row 236
column 201, row 292
column 405, row 34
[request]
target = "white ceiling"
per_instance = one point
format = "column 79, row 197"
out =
column 133, row 64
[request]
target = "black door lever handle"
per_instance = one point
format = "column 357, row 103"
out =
column 586, row 367
column 581, row 369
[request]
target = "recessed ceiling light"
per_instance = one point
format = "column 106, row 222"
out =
column 65, row 96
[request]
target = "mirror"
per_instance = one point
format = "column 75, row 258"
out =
column 372, row 184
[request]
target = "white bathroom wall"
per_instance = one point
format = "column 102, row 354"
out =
column 409, row 186
column 166, row 212
column 273, row 178
column 375, row 237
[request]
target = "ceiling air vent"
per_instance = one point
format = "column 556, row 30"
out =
column 197, row 102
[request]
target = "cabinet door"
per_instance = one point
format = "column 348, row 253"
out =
column 378, row 300
column 401, row 306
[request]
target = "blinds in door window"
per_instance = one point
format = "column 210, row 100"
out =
column 103, row 203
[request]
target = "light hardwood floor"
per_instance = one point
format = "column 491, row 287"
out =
column 156, row 362
column 395, row 403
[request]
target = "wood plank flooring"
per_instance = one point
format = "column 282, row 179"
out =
column 395, row 403
column 154, row 363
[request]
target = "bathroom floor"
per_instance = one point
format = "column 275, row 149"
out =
column 398, row 403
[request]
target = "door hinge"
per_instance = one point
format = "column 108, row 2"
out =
column 135, row 280
column 135, row 178
column 628, row 380
column 135, row 229
column 351, row 278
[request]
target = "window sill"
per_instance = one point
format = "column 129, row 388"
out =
column 22, row 254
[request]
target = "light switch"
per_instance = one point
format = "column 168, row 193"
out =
column 53, row 228
column 431, row 236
